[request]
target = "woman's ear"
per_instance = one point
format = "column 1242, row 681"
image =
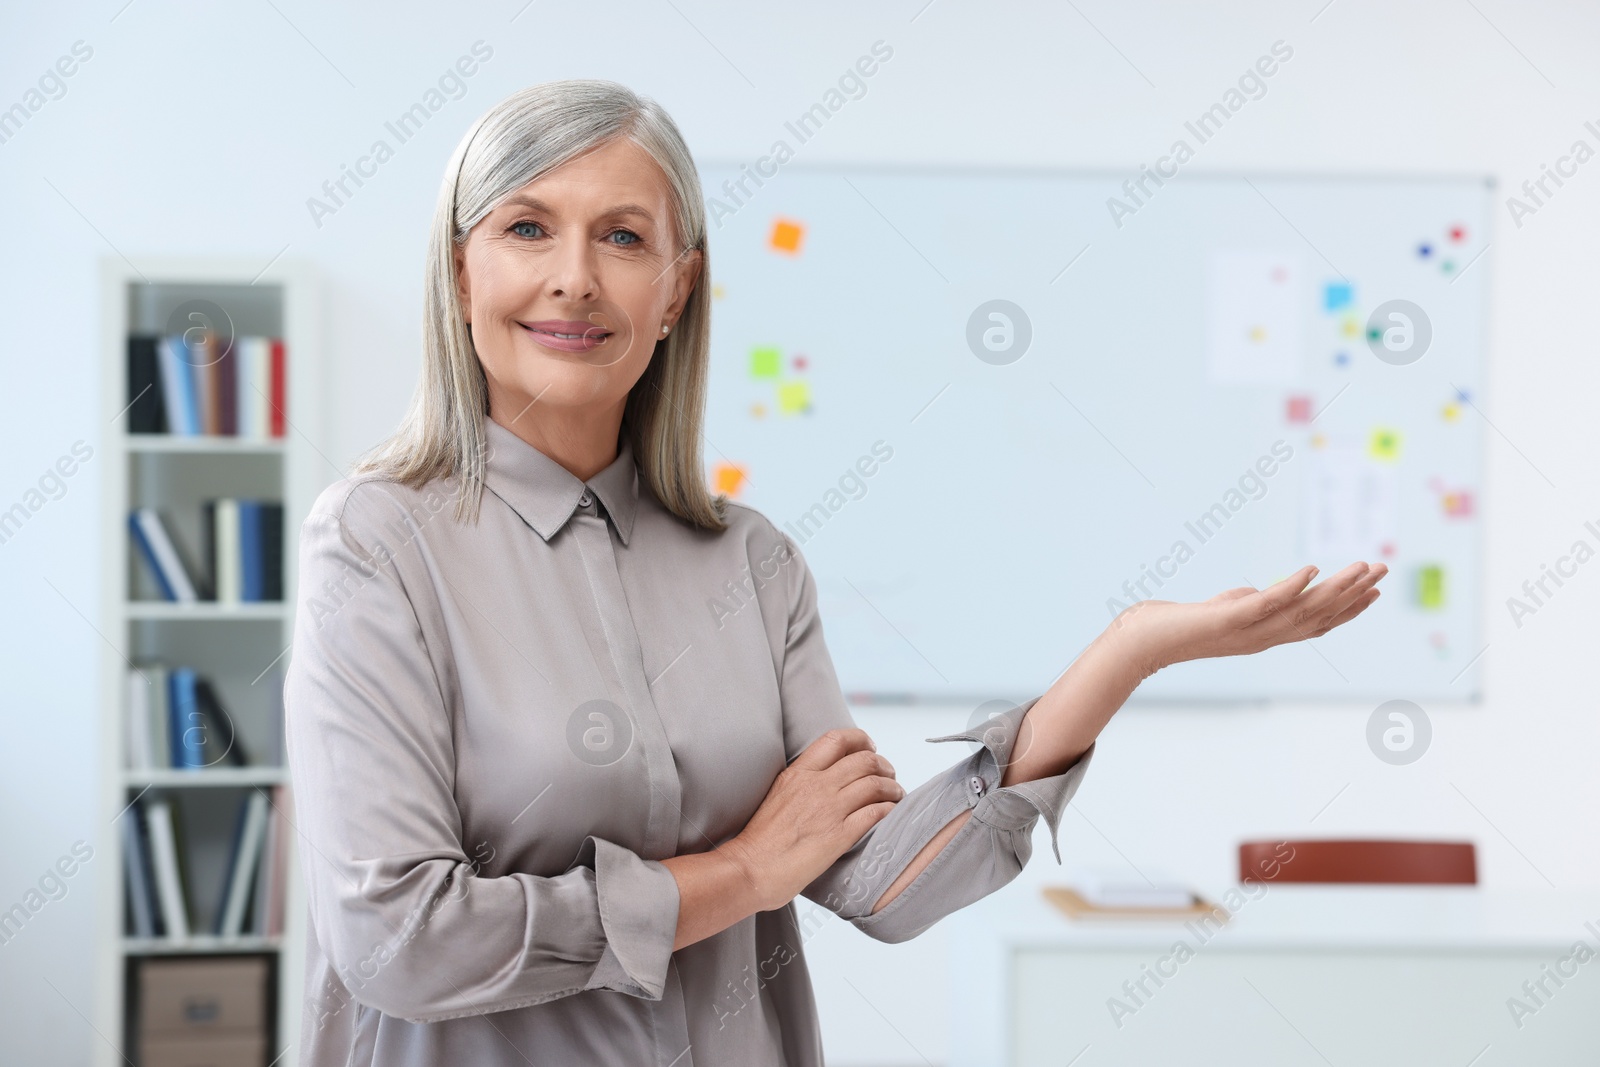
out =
column 463, row 288
column 683, row 284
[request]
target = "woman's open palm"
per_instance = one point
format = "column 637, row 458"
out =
column 1241, row 621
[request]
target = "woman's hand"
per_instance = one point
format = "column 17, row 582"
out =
column 818, row 807
column 1246, row 620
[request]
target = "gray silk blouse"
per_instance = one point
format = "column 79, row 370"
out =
column 497, row 730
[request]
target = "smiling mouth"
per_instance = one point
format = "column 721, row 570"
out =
column 568, row 337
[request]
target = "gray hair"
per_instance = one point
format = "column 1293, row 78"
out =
column 523, row 137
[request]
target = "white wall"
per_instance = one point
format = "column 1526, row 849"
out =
column 194, row 130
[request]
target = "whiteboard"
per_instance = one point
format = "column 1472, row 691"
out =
column 978, row 487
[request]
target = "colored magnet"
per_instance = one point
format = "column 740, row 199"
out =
column 1384, row 444
column 1299, row 409
column 1459, row 504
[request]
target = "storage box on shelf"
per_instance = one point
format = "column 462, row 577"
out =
column 212, row 412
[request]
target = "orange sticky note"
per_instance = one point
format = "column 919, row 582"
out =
column 787, row 235
column 728, row 478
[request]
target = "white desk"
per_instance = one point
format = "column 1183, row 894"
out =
column 1352, row 976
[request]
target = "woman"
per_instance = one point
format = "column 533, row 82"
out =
column 554, row 809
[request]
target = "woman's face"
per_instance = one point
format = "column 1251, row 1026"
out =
column 567, row 283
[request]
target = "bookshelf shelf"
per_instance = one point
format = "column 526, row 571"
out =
column 218, row 777
column 219, row 661
column 197, row 945
column 158, row 610
column 154, row 442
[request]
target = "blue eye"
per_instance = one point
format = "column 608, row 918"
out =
column 626, row 233
column 517, row 228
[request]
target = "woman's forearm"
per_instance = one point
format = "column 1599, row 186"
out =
column 715, row 890
column 1055, row 732
column 1065, row 721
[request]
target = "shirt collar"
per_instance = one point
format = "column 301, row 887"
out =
column 546, row 494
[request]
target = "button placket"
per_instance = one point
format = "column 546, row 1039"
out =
column 593, row 535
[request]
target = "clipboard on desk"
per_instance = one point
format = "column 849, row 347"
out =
column 1075, row 906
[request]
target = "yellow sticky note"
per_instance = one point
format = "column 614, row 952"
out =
column 1384, row 444
column 794, row 397
column 787, row 236
column 765, row 361
column 727, row 478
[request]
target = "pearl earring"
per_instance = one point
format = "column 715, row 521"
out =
column 664, row 329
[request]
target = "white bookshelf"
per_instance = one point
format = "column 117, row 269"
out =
column 229, row 643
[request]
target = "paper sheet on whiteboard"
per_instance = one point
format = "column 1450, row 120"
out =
column 1350, row 506
column 1256, row 309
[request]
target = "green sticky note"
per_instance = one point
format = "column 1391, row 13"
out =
column 765, row 362
column 1430, row 587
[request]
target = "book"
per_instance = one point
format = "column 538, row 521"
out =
column 250, row 551
column 147, row 410
column 188, row 727
column 164, row 861
column 219, row 526
column 227, row 386
column 1110, row 892
column 177, row 388
column 136, row 868
column 245, row 396
column 137, row 741
column 279, row 389
column 1072, row 903
column 271, row 551
column 222, row 743
column 267, row 916
column 246, row 855
column 159, row 724
column 160, row 552
column 203, row 367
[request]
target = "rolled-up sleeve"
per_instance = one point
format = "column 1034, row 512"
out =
column 989, row 850
column 401, row 910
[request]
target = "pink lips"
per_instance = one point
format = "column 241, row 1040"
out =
column 566, row 335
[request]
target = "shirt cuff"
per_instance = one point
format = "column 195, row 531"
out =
column 639, row 915
column 1017, row 806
